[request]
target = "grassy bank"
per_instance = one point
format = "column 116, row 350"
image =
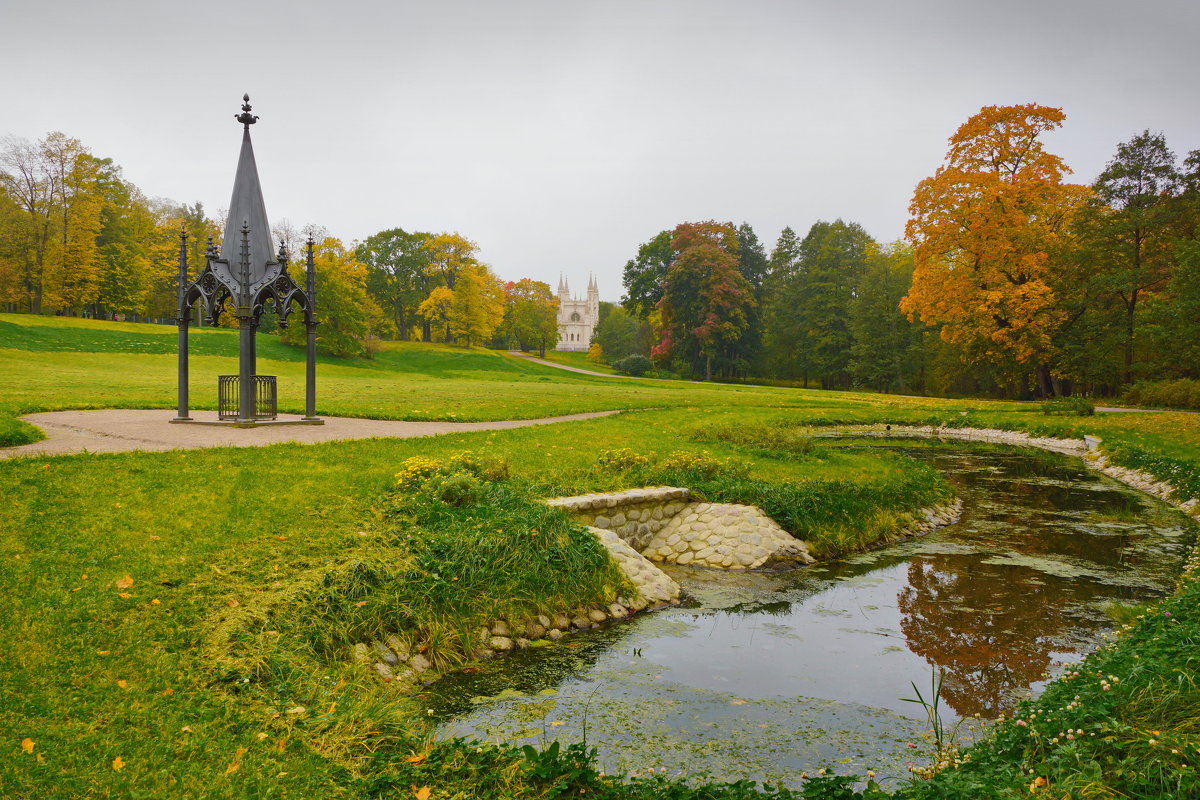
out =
column 179, row 623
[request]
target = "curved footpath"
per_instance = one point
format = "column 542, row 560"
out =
column 118, row 431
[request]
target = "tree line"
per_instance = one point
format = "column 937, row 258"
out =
column 1010, row 280
column 77, row 239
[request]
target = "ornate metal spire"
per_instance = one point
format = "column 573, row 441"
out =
column 246, row 118
column 246, row 205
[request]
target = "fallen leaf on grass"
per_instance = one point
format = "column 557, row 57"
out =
column 27, row 745
column 261, row 736
column 297, row 710
column 422, row 793
column 118, row 763
column 557, row 723
column 168, row 691
column 123, row 684
column 156, row 602
column 237, row 761
column 360, row 604
column 124, row 595
column 125, row 583
column 281, row 538
column 103, row 652
column 155, row 538
column 186, row 729
column 417, row 759
column 232, row 603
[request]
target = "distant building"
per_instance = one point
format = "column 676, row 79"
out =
column 577, row 318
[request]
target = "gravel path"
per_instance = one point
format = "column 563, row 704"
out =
column 118, row 431
column 546, row 363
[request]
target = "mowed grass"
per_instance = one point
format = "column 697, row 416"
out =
column 199, row 678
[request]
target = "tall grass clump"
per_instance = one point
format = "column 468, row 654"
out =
column 453, row 545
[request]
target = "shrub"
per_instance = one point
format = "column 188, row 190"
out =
column 703, row 465
column 1069, row 407
column 415, row 472
column 1181, row 393
column 636, row 365
column 620, row 460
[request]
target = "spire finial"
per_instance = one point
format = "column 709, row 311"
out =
column 246, row 118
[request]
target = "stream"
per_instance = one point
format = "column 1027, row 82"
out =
column 766, row 675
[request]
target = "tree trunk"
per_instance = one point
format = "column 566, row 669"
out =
column 1130, row 308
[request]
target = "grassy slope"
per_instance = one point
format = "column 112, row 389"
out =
column 210, row 535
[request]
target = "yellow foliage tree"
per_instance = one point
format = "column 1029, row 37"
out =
column 477, row 307
column 435, row 309
column 985, row 229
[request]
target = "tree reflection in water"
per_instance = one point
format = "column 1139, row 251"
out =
column 993, row 628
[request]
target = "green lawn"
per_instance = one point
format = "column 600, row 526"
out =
column 253, row 569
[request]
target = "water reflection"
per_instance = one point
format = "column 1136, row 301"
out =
column 763, row 675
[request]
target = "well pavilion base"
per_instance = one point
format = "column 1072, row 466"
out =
column 261, row 423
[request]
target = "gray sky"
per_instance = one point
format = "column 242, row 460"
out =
column 559, row 135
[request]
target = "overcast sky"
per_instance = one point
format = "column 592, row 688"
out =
column 559, row 135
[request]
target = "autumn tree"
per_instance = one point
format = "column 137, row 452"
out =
column 986, row 230
column 448, row 254
column 530, row 316
column 706, row 302
column 435, row 310
column 349, row 317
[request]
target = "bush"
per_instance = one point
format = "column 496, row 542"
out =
column 1069, row 407
column 1181, row 393
column 418, row 471
column 620, row 460
column 635, row 365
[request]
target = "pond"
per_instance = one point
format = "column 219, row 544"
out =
column 766, row 675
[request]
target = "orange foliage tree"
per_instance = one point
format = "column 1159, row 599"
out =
column 986, row 229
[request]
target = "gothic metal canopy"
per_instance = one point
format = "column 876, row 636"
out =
column 247, row 272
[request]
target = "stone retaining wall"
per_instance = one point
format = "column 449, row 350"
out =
column 662, row 524
column 635, row 515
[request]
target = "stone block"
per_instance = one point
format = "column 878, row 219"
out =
column 398, row 647
column 385, row 653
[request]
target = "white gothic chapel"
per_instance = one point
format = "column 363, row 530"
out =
column 577, row 318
